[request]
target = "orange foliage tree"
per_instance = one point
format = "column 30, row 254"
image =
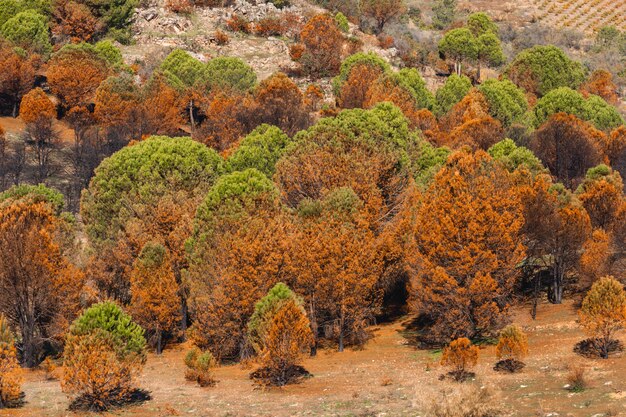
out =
column 160, row 108
column 237, row 253
column 603, row 312
column 382, row 11
column 38, row 112
column 460, row 356
column 595, row 261
column 74, row 73
column 568, row 147
column 17, row 73
column 75, row 21
column 615, row 149
column 353, row 92
column 337, row 264
column 37, row 108
column 602, row 195
column 104, row 351
column 323, row 43
column 555, row 228
column 226, row 116
column 39, row 288
column 155, row 304
column 281, row 103
column 600, row 83
column 512, row 347
column 465, row 247
column 10, row 377
column 288, row 337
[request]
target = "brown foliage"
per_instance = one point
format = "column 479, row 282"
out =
column 600, row 83
column 354, row 92
column 75, row 21
column 281, row 103
column 75, row 75
column 382, row 11
column 160, row 108
column 465, row 247
column 555, row 228
column 596, row 257
column 568, row 146
column 480, row 133
column 221, row 38
column 227, row 116
column 602, row 198
column 17, row 73
column 324, row 43
column 269, row 26
column 603, row 312
column 179, row 6
column 386, row 88
column 36, row 107
column 40, row 292
column 615, row 149
column 93, row 373
column 155, row 304
column 460, row 356
column 237, row 23
column 337, row 266
column 288, row 338
column 10, row 376
column 243, row 260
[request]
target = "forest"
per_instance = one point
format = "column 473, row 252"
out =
column 183, row 202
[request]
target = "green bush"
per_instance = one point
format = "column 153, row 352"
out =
column 108, row 318
column 229, row 73
column 29, row 30
column 453, row 91
column 261, row 149
column 342, row 22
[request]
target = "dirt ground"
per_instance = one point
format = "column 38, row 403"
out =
column 15, row 127
column 386, row 378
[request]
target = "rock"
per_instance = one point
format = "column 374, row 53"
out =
column 149, row 15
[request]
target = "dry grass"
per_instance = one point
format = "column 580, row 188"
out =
column 387, row 376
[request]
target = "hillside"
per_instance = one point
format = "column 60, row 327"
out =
column 312, row 208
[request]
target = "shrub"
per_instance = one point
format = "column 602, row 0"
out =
column 324, row 43
column 228, row 73
column 280, row 333
column 342, row 22
column 237, row 23
column 603, row 312
column 49, row 367
column 385, row 41
column 466, row 401
column 199, row 365
column 460, row 356
column 10, row 377
column 269, row 26
column 577, row 379
column 296, row 51
column 179, row 6
column 512, row 347
column 221, row 38
column 103, row 351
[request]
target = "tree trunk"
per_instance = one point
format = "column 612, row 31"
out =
column 478, row 73
column 341, row 326
column 557, row 286
column 191, row 119
column 314, row 328
column 536, row 284
column 159, row 348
